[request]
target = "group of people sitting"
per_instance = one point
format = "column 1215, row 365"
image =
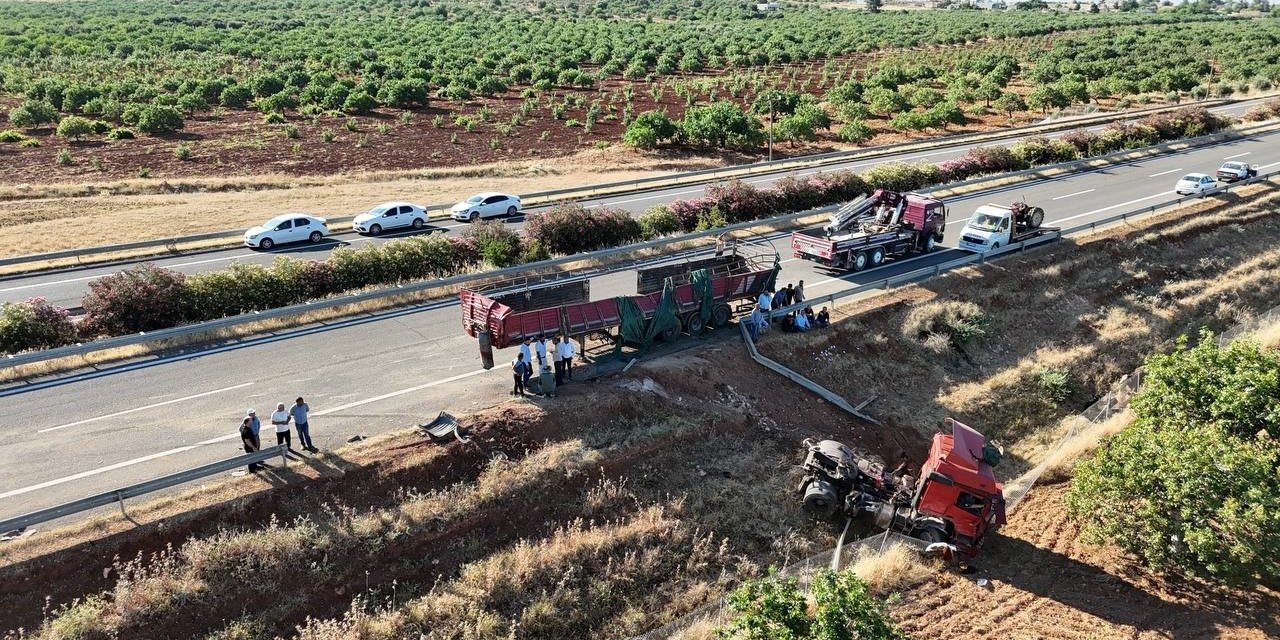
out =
column 801, row 321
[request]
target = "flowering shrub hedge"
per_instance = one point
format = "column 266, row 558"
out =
column 573, row 228
column 34, row 324
column 497, row 244
column 143, row 298
column 658, row 221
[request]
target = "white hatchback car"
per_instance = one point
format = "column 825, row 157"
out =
column 486, row 205
column 390, row 215
column 286, row 228
column 1194, row 183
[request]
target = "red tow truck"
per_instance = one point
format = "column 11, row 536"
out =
column 872, row 229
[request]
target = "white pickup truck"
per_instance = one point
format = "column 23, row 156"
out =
column 993, row 226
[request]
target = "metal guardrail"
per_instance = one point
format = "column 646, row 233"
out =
column 554, row 195
column 132, row 491
column 890, row 282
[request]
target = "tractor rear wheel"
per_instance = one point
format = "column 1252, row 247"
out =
column 820, row 499
column 1035, row 218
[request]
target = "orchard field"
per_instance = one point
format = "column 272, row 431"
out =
column 116, row 89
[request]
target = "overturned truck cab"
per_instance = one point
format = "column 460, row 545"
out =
column 955, row 500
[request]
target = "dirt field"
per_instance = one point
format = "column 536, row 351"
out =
column 651, row 493
column 1046, row 584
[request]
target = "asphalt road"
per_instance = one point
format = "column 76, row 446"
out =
column 67, row 287
column 94, row 430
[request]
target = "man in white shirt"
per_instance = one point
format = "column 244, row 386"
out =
column 540, row 346
column 567, row 352
column 527, row 352
column 281, row 420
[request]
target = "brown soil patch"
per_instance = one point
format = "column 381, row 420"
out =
column 1046, row 583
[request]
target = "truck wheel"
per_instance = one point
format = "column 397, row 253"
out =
column 670, row 333
column 932, row 535
column 693, row 324
column 720, row 315
column 859, row 261
column 877, row 257
column 1036, row 218
column 820, row 499
column 930, row 243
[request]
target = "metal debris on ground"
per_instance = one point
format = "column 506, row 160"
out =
column 442, row 427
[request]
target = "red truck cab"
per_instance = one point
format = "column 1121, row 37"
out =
column 958, row 487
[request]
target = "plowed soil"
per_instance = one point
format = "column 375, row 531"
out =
column 1045, row 583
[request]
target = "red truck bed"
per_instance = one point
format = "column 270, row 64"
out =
column 507, row 327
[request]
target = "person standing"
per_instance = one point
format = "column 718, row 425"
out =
column 799, row 292
column 780, row 299
column 540, row 347
column 526, row 350
column 765, row 300
column 299, row 412
column 755, row 324
column 281, row 420
column 567, row 351
column 519, row 372
column 250, row 441
column 790, row 295
column 255, row 425
column 557, row 357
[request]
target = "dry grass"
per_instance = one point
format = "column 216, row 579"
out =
column 894, row 569
column 1060, row 465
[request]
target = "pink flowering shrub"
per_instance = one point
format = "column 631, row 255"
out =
column 143, row 298
column 34, row 324
column 572, row 228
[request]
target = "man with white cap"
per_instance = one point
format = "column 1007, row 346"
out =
column 255, row 425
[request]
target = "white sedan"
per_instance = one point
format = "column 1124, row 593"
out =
column 286, row 228
column 1195, row 183
column 390, row 215
column 486, row 205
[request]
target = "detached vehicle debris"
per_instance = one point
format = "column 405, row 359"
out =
column 956, row 500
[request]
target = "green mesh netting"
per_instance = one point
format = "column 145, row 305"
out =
column 702, row 291
column 631, row 325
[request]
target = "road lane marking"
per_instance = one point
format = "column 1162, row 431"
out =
column 1238, row 155
column 1114, row 206
column 45, row 284
column 401, row 392
column 1165, row 173
column 1078, row 193
column 1267, row 166
column 94, row 472
column 150, row 406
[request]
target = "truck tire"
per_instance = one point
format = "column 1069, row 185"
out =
column 820, row 499
column 693, row 324
column 877, row 256
column 858, row 261
column 1035, row 218
column 720, row 315
column 670, row 334
column 930, row 243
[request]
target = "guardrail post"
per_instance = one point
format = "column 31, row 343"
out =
column 886, row 284
column 284, row 456
column 120, row 501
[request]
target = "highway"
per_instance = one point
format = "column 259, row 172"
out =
column 67, row 287
column 69, row 436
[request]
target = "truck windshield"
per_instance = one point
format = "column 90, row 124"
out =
column 985, row 222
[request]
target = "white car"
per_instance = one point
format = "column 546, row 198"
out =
column 1195, row 183
column 486, row 205
column 286, row 228
column 390, row 215
column 1233, row 171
